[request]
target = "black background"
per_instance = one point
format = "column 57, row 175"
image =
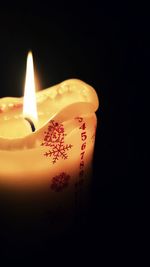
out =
column 101, row 44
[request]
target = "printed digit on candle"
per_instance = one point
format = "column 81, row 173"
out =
column 80, row 119
column 83, row 145
column 83, row 136
column 82, row 154
column 83, row 126
column 81, row 164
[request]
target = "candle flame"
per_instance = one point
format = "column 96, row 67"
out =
column 29, row 102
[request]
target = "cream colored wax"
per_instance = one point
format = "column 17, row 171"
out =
column 56, row 159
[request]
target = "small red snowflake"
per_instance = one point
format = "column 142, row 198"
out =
column 60, row 182
column 54, row 139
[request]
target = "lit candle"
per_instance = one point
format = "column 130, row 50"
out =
column 55, row 158
column 29, row 102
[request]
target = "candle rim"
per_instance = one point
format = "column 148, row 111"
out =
column 88, row 107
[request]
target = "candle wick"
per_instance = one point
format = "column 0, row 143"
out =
column 31, row 124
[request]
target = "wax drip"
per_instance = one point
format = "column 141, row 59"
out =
column 31, row 124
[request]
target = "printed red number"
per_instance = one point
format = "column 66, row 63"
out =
column 83, row 136
column 81, row 164
column 83, row 146
column 80, row 119
column 82, row 154
column 83, row 126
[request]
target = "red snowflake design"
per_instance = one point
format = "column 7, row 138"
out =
column 54, row 139
column 60, row 182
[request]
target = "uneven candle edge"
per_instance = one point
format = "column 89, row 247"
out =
column 62, row 101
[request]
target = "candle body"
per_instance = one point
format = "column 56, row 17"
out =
column 49, row 171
